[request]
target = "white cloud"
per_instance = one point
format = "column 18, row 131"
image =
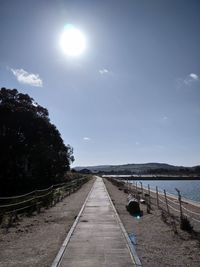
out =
column 188, row 80
column 103, row 71
column 86, row 138
column 27, row 78
column 194, row 76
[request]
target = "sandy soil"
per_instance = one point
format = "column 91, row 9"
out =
column 34, row 241
column 157, row 245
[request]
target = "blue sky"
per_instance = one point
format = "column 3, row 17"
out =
column 133, row 96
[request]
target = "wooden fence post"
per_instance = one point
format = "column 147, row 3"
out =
column 157, row 197
column 171, row 219
column 149, row 192
column 129, row 188
column 36, row 200
column 142, row 189
column 166, row 202
column 179, row 199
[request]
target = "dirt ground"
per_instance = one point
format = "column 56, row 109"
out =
column 157, row 245
column 35, row 241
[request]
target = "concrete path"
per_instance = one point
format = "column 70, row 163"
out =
column 97, row 240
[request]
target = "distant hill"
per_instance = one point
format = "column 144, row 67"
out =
column 145, row 168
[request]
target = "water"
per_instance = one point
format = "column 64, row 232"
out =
column 188, row 189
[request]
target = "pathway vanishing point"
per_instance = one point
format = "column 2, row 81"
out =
column 97, row 238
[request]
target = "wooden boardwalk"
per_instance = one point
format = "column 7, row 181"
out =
column 98, row 238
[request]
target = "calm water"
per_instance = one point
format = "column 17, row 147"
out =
column 189, row 189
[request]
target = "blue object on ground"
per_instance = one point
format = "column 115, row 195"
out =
column 133, row 239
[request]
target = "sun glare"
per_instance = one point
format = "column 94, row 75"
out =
column 72, row 41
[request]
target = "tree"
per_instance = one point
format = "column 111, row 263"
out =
column 32, row 152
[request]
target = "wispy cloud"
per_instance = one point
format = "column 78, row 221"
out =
column 103, row 71
column 188, row 80
column 192, row 77
column 164, row 118
column 86, row 138
column 27, row 78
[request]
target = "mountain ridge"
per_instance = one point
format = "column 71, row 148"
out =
column 138, row 168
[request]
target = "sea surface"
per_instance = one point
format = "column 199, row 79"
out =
column 188, row 189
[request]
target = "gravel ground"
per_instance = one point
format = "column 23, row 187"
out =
column 34, row 241
column 157, row 245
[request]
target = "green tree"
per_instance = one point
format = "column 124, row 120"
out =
column 32, row 152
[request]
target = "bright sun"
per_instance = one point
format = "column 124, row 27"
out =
column 72, row 41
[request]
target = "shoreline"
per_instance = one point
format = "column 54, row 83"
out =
column 187, row 199
column 160, row 177
column 170, row 195
column 156, row 243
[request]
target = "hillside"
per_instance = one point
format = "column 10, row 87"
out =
column 145, row 168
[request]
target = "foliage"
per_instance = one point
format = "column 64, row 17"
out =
column 186, row 225
column 32, row 153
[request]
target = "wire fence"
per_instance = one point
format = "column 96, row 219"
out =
column 172, row 206
column 12, row 207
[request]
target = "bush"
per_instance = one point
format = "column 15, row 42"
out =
column 186, row 225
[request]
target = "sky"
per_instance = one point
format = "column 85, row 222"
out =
column 133, row 95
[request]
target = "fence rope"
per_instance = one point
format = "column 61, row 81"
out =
column 68, row 185
column 40, row 190
column 43, row 190
column 172, row 201
column 173, row 208
column 183, row 213
column 161, row 201
column 198, row 214
column 195, row 219
column 20, row 196
column 16, row 210
column 16, row 204
column 168, row 205
column 44, row 195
